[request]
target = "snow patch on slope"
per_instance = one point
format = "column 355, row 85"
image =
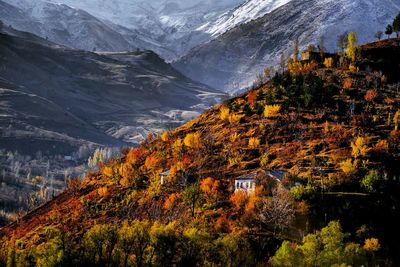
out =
column 250, row 10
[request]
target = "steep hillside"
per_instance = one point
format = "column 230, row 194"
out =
column 321, row 144
column 232, row 61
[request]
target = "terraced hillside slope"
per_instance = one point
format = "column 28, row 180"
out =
column 320, row 143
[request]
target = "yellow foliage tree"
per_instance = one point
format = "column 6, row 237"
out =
column 328, row 63
column 294, row 66
column 271, row 111
column 254, row 143
column 396, row 119
column 234, row 137
column 102, row 191
column 372, row 245
column 351, row 50
column 235, row 118
column 348, row 166
column 353, row 68
column 108, row 171
column 360, row 147
column 224, row 113
column 177, row 146
column 193, row 140
column 165, row 137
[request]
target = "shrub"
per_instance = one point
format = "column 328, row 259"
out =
column 271, row 111
column 224, row 113
column 370, row 95
column 372, row 245
column 328, row 63
column 192, row 140
column 235, row 118
column 254, row 143
column 348, row 166
column 165, row 137
column 360, row 147
column 371, row 180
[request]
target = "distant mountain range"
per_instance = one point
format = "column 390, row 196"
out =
column 56, row 98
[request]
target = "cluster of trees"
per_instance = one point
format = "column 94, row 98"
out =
column 135, row 243
column 390, row 28
column 327, row 247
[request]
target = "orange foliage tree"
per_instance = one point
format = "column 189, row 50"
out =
column 210, row 187
column 239, row 201
column 370, row 95
column 252, row 98
column 151, row 162
column 170, row 201
column 347, row 83
column 134, row 155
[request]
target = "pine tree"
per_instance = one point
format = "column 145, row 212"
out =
column 396, row 25
column 389, row 30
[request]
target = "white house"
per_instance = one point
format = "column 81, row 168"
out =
column 246, row 183
column 164, row 176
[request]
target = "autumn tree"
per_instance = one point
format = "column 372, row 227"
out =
column 371, row 181
column 234, row 250
column 197, row 243
column 52, row 252
column 352, row 47
column 271, row 111
column 239, row 200
column 326, row 247
column 252, row 98
column 224, row 113
column 193, row 140
column 371, row 95
column 360, row 147
column 165, row 242
column 99, row 243
column 210, row 186
column 134, row 238
column 328, row 62
column 254, row 143
column 192, row 196
column 165, row 136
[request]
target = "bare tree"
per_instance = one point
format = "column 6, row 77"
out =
column 378, row 35
column 277, row 211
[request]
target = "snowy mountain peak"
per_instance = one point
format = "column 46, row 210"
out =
column 249, row 10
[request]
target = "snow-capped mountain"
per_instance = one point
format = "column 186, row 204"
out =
column 62, row 24
column 169, row 27
column 231, row 61
column 250, row 10
column 173, row 27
